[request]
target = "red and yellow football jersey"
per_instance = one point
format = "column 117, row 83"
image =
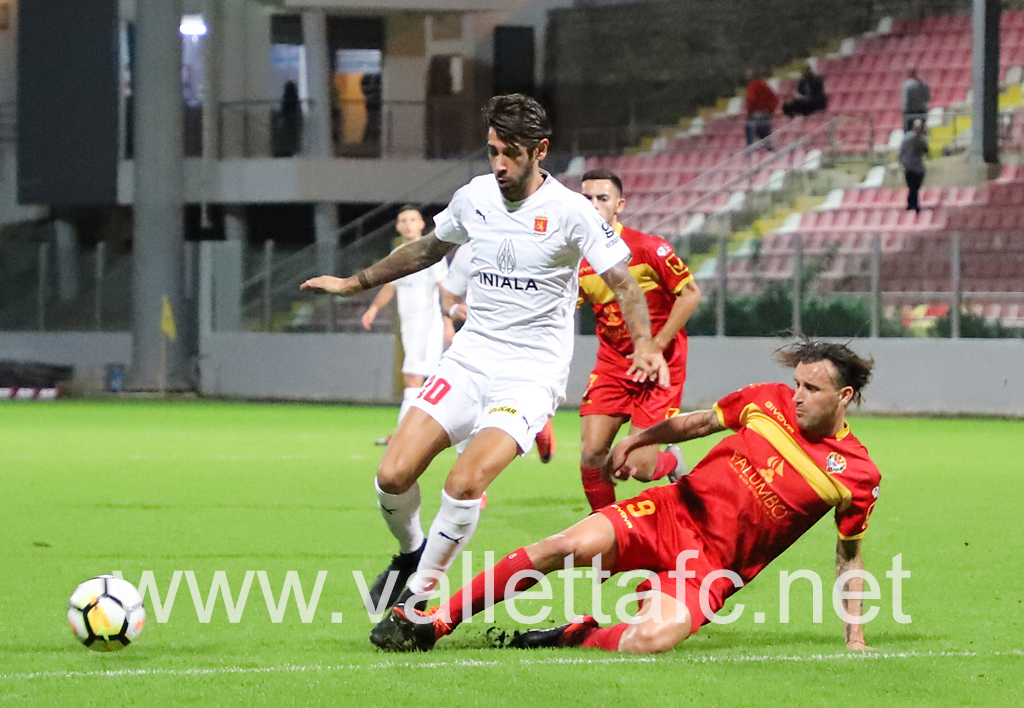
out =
column 661, row 275
column 760, row 489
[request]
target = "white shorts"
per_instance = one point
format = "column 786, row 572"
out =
column 466, row 401
column 422, row 345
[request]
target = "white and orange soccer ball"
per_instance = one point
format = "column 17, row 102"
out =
column 106, row 613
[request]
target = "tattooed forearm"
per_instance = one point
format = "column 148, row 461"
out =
column 406, row 259
column 631, row 300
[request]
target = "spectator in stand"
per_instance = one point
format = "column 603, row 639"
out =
column 760, row 106
column 912, row 152
column 288, row 122
column 810, row 95
column 916, row 96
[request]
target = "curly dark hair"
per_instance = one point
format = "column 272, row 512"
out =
column 851, row 369
column 518, row 120
column 603, row 173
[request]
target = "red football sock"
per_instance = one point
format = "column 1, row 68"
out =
column 499, row 577
column 606, row 638
column 666, row 465
column 599, row 493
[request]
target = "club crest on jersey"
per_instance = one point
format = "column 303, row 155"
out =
column 540, row 224
column 664, row 250
column 506, row 257
column 774, row 468
column 835, row 463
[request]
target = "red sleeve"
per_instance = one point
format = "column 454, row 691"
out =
column 852, row 519
column 672, row 272
column 730, row 408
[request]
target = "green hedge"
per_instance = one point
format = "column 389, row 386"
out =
column 771, row 313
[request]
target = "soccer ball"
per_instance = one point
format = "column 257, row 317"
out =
column 106, row 613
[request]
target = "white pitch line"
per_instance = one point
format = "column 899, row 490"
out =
column 149, row 458
column 476, row 663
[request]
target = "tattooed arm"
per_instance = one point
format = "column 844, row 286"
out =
column 648, row 363
column 405, row 259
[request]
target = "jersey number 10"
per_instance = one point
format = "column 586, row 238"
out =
column 434, row 390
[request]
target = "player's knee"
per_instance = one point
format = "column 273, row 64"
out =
column 553, row 550
column 465, row 484
column 394, row 477
column 650, row 638
column 593, row 455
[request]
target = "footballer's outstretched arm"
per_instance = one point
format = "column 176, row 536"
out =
column 848, row 557
column 680, row 428
column 408, row 258
column 648, row 363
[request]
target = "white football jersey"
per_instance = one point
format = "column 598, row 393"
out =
column 457, row 280
column 418, row 295
column 523, row 276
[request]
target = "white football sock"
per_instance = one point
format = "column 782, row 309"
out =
column 407, row 398
column 452, row 528
column 401, row 513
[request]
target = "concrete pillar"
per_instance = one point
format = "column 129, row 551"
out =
column 985, row 82
column 325, row 223
column 65, row 242
column 236, row 228
column 213, row 59
column 317, row 139
column 158, row 244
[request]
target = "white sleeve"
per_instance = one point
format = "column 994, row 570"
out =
column 448, row 224
column 597, row 241
column 457, row 280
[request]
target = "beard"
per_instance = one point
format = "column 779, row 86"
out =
column 515, row 191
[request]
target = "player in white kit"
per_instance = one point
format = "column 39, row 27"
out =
column 419, row 311
column 453, row 301
column 507, row 368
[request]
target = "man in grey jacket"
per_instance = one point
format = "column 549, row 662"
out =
column 912, row 152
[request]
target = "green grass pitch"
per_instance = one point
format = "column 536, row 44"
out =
column 92, row 487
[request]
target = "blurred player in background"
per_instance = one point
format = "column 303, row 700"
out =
column 790, row 460
column 453, row 301
column 423, row 328
column 612, row 397
column 507, row 369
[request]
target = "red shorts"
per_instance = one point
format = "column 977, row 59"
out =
column 611, row 392
column 651, row 531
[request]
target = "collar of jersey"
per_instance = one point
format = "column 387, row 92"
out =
column 516, row 206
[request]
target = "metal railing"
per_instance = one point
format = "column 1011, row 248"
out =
column 260, row 128
column 440, row 128
column 877, row 284
column 99, row 301
column 272, row 281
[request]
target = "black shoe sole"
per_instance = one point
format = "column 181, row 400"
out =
column 396, row 633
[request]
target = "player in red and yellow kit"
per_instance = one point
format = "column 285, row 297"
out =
column 612, row 396
column 791, row 459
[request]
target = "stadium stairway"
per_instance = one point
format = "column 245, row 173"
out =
column 863, row 79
